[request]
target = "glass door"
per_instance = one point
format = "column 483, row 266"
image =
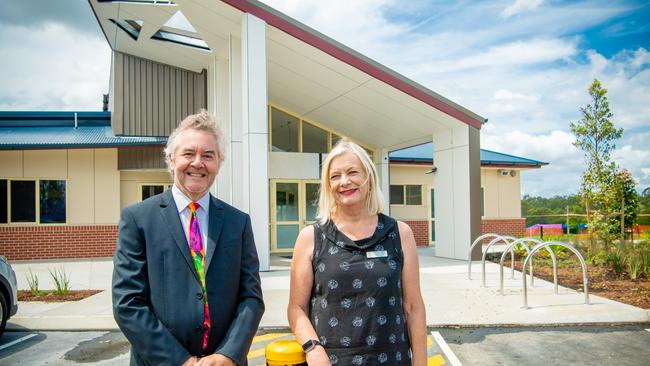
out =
column 294, row 204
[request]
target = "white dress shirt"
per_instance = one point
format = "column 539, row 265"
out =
column 182, row 202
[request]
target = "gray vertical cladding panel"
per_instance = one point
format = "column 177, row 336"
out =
column 145, row 157
column 152, row 98
column 475, row 187
column 117, row 97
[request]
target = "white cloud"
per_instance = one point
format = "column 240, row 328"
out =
column 52, row 67
column 521, row 6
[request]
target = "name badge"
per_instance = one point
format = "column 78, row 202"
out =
column 377, row 254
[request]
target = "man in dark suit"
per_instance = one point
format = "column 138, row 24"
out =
column 186, row 286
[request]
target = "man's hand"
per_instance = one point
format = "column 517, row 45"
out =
column 216, row 360
column 190, row 361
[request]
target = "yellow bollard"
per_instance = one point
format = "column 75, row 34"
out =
column 285, row 353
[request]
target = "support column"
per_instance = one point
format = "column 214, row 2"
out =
column 458, row 190
column 219, row 105
column 255, row 135
column 383, row 169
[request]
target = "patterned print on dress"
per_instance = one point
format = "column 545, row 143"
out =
column 344, row 266
column 345, row 341
column 323, row 340
column 392, row 338
column 392, row 264
column 332, row 250
column 392, row 301
column 370, row 340
column 369, row 264
column 398, row 356
column 382, row 357
column 333, row 322
column 382, row 319
column 357, row 321
column 382, row 282
column 370, row 302
column 346, row 303
column 357, row 360
column 334, row 360
column 332, row 284
column 321, row 267
column 357, row 283
column 323, row 303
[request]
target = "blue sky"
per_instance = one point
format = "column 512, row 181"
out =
column 523, row 64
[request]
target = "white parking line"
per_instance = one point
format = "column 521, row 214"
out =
column 445, row 349
column 17, row 341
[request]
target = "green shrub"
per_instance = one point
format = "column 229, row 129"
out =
column 616, row 260
column 61, row 281
column 32, row 282
column 634, row 265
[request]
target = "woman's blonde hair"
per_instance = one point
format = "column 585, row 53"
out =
column 327, row 203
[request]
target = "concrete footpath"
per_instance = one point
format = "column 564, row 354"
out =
column 450, row 298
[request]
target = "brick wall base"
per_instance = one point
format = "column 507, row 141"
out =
column 512, row 227
column 57, row 242
column 420, row 231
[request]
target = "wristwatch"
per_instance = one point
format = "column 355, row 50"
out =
column 310, row 345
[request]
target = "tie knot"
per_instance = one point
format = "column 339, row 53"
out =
column 193, row 206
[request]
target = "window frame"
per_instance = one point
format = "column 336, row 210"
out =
column 139, row 186
column 301, row 120
column 37, row 198
column 403, row 203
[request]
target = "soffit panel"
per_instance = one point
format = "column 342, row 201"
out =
column 315, row 55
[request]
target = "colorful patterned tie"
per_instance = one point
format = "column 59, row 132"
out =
column 198, row 254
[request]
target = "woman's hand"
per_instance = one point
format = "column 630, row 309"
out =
column 317, row 357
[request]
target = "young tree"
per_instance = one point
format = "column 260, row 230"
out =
column 595, row 135
column 624, row 194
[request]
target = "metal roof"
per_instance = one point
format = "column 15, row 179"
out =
column 56, row 130
column 424, row 154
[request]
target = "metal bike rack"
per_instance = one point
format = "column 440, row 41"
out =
column 471, row 247
column 506, row 240
column 523, row 241
column 529, row 257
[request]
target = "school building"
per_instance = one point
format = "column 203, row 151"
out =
column 284, row 94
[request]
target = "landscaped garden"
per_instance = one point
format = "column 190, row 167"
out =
column 616, row 271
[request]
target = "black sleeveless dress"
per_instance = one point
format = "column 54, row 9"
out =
column 356, row 303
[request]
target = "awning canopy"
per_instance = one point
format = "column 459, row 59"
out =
column 308, row 73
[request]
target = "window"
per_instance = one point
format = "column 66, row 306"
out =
column 314, row 139
column 151, row 189
column 291, row 134
column 52, row 202
column 33, row 201
column 23, row 200
column 285, row 130
column 396, row 195
column 4, row 199
column 406, row 195
column 413, row 195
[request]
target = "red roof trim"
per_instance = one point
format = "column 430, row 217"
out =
column 351, row 60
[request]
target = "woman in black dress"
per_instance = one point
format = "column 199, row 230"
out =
column 355, row 286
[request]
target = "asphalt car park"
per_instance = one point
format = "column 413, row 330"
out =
column 574, row 345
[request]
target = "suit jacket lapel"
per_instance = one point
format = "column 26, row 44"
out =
column 173, row 223
column 215, row 224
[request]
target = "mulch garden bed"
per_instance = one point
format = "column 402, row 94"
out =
column 50, row 296
column 603, row 281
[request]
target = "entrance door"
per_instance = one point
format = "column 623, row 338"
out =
column 293, row 206
column 432, row 216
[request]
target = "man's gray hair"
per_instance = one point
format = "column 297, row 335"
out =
column 202, row 121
